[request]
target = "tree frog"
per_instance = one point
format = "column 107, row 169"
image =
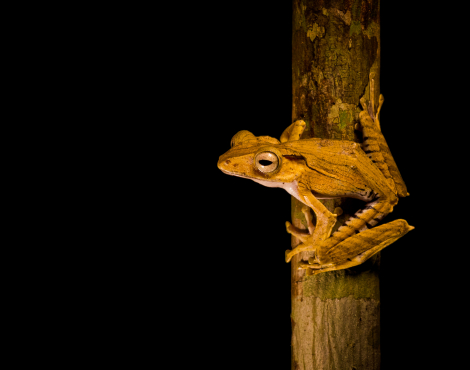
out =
column 313, row 169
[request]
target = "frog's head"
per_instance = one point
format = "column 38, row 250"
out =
column 258, row 158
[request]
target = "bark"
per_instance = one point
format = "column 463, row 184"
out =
column 335, row 315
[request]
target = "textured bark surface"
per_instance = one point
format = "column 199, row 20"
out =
column 335, row 315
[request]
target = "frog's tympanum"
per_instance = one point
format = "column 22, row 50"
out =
column 313, row 169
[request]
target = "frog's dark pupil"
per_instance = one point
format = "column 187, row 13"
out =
column 265, row 162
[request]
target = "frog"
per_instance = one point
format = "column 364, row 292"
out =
column 315, row 169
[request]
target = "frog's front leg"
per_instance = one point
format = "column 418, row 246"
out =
column 303, row 235
column 321, row 231
column 293, row 132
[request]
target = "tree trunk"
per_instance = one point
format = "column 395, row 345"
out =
column 335, row 315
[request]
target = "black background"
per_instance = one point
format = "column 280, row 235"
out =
column 200, row 275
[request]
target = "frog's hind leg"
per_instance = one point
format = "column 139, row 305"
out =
column 360, row 247
column 374, row 143
column 372, row 222
column 363, row 219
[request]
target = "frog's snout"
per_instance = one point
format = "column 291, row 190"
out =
column 224, row 165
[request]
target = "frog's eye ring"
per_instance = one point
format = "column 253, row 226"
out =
column 267, row 162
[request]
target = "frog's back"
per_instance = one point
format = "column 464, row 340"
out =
column 316, row 146
column 329, row 157
column 332, row 155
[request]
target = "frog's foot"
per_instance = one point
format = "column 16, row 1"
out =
column 370, row 116
column 303, row 235
column 358, row 248
column 307, row 246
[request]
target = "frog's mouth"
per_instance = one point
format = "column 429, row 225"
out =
column 234, row 174
column 323, row 196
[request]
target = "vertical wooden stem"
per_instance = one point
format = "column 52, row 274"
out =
column 335, row 315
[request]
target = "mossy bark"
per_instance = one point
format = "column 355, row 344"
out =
column 335, row 315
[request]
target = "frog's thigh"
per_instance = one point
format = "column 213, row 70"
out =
column 373, row 177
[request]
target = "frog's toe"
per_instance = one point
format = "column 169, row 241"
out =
column 289, row 254
column 298, row 233
column 311, row 269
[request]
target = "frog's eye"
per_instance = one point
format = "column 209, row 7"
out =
column 267, row 162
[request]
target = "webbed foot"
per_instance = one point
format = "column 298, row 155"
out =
column 358, row 248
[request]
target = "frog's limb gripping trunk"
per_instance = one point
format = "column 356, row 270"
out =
column 362, row 220
column 302, row 235
column 356, row 229
column 366, row 244
column 374, row 144
column 308, row 218
column 293, row 132
column 325, row 222
column 378, row 151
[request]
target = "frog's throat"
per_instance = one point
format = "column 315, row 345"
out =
column 291, row 187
